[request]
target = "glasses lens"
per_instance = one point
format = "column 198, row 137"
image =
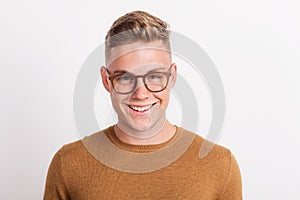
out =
column 156, row 81
column 124, row 83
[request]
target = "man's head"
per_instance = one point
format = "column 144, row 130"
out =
column 139, row 71
column 136, row 26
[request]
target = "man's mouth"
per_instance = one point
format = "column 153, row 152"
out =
column 141, row 108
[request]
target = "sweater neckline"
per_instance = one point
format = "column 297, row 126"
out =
column 108, row 153
column 111, row 135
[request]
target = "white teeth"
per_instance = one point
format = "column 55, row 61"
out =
column 140, row 109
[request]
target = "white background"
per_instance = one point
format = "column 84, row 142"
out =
column 254, row 44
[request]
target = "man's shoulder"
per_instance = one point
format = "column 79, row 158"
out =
column 70, row 148
column 209, row 149
column 77, row 148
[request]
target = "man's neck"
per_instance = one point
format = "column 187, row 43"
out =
column 166, row 133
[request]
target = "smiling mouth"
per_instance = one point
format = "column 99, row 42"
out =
column 141, row 108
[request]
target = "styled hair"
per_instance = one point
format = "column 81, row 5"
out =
column 136, row 26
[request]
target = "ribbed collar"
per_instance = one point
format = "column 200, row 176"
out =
column 111, row 135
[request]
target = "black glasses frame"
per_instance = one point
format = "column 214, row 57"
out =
column 111, row 77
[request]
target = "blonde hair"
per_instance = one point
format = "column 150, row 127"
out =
column 136, row 26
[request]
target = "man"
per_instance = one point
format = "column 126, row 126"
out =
column 143, row 156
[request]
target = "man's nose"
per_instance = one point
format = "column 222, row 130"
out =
column 140, row 92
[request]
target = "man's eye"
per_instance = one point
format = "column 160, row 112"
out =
column 156, row 76
column 125, row 79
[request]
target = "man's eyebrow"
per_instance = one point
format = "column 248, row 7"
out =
column 157, row 69
column 153, row 70
column 119, row 72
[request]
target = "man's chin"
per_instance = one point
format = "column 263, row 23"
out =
column 140, row 127
column 143, row 130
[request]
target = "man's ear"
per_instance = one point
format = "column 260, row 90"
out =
column 173, row 76
column 104, row 77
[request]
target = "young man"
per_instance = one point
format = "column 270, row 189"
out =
column 143, row 156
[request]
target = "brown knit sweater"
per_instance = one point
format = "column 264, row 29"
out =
column 78, row 171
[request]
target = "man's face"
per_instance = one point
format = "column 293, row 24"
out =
column 141, row 109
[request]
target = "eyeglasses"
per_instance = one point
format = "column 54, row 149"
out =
column 124, row 82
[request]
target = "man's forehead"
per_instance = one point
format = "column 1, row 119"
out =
column 134, row 48
column 142, row 69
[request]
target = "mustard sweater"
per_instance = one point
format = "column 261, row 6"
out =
column 89, row 169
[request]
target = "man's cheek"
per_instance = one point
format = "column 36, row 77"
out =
column 115, row 104
column 118, row 104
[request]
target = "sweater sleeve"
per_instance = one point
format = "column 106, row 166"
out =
column 55, row 188
column 233, row 186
